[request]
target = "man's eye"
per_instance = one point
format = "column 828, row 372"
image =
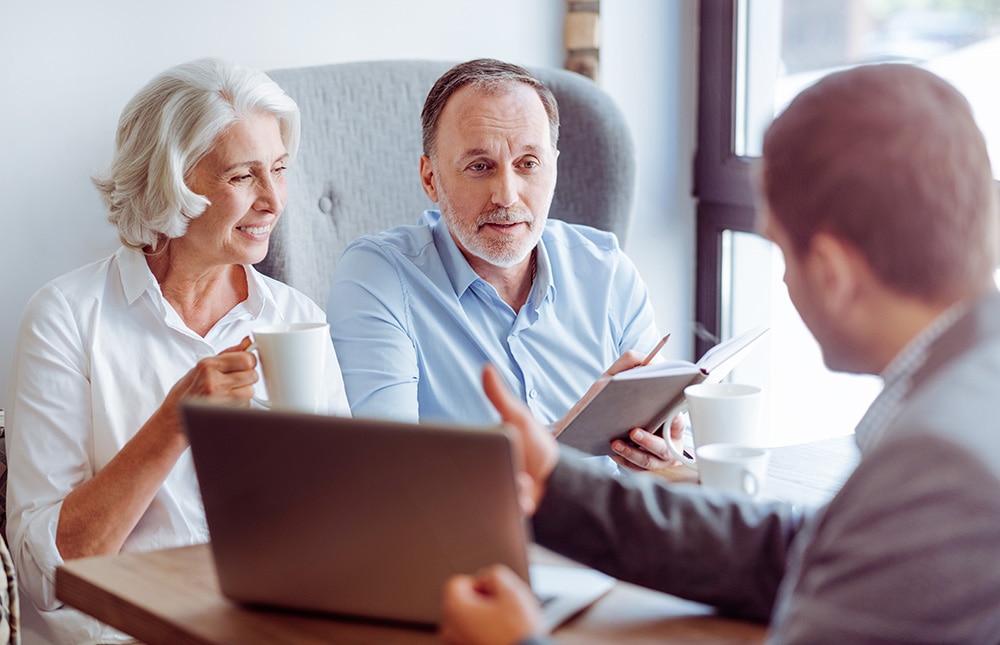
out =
column 530, row 164
column 478, row 167
column 241, row 179
column 279, row 170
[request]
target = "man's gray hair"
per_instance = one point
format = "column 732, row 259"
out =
column 488, row 75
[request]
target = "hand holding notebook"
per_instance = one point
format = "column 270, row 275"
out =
column 645, row 396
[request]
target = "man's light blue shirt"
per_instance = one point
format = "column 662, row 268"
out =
column 413, row 324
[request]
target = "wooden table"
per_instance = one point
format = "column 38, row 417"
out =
column 172, row 596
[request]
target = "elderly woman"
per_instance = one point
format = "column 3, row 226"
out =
column 98, row 456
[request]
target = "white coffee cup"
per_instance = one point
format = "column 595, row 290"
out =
column 732, row 467
column 721, row 413
column 292, row 359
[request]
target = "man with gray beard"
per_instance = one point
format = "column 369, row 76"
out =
column 876, row 185
column 416, row 311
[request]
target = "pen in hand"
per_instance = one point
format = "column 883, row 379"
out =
column 656, row 350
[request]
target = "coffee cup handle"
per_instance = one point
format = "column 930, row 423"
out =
column 751, row 485
column 679, row 454
column 257, row 399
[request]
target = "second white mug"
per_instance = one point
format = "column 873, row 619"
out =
column 732, row 467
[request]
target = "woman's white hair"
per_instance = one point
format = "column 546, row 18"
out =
column 167, row 128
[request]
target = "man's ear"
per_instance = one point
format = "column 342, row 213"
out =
column 428, row 179
column 838, row 269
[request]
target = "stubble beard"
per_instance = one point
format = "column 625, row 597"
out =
column 489, row 247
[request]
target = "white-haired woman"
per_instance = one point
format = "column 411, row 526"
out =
column 98, row 456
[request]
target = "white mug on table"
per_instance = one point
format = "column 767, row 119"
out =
column 721, row 413
column 292, row 359
column 732, row 467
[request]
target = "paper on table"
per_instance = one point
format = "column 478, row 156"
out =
column 565, row 591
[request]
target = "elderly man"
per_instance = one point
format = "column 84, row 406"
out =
column 416, row 311
column 876, row 186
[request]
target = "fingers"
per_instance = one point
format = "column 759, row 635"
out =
column 677, row 425
column 494, row 606
column 511, row 409
column 242, row 347
column 535, row 449
column 239, row 357
column 457, row 602
column 526, row 493
column 227, row 376
column 646, row 451
column 459, row 588
column 626, row 361
column 499, row 579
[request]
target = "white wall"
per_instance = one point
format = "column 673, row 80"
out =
column 69, row 67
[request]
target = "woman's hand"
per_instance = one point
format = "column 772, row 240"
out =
column 99, row 514
column 229, row 376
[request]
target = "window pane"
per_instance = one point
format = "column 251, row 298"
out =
column 784, row 46
column 812, row 403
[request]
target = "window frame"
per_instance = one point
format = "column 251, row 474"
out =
column 723, row 189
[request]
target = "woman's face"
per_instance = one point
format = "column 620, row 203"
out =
column 243, row 176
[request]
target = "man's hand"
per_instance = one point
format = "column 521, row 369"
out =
column 647, row 451
column 535, row 449
column 652, row 452
column 493, row 607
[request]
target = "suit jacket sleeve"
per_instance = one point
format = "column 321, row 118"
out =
column 676, row 538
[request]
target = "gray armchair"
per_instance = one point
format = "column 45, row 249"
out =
column 357, row 167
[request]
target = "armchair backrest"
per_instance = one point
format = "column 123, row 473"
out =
column 357, row 170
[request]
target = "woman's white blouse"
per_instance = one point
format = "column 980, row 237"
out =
column 97, row 351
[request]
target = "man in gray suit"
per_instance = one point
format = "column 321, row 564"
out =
column 876, row 186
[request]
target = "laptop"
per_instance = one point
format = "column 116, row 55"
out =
column 361, row 517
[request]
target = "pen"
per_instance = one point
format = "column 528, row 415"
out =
column 656, row 350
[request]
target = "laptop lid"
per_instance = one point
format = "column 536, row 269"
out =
column 352, row 516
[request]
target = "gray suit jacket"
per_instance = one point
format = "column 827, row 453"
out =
column 908, row 551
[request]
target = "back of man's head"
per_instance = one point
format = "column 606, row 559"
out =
column 889, row 159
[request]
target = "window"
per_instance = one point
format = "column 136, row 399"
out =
column 755, row 56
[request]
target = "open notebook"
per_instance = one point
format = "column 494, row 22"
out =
column 363, row 517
